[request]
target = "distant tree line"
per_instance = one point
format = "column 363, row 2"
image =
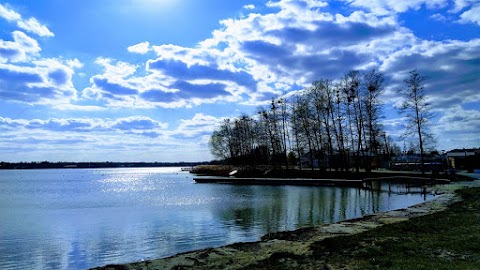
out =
column 332, row 125
column 107, row 164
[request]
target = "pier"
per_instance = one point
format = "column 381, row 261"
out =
column 361, row 183
column 279, row 181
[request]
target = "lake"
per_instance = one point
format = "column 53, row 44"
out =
column 82, row 218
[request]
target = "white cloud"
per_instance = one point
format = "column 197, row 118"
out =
column 42, row 81
column 21, row 49
column 126, row 124
column 140, row 48
column 136, row 138
column 459, row 120
column 199, row 124
column 258, row 56
column 166, row 82
column 300, row 43
column 298, row 6
column 33, row 26
column 118, row 70
column 451, row 67
column 137, row 123
column 384, row 7
column 395, row 126
column 74, row 63
column 459, row 5
column 250, row 6
column 8, row 14
column 472, row 15
column 459, row 127
column 253, row 58
column 469, row 10
column 439, row 17
column 30, row 25
column 73, row 107
column 191, row 56
column 27, row 77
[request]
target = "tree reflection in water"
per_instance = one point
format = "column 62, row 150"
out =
column 268, row 209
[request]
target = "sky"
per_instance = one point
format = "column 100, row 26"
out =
column 149, row 80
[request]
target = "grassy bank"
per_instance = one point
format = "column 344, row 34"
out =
column 444, row 240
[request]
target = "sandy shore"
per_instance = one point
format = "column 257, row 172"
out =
column 294, row 244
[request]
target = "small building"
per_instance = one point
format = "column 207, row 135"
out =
column 467, row 159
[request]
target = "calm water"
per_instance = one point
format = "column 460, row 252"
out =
column 81, row 218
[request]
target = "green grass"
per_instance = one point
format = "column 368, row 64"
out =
column 445, row 240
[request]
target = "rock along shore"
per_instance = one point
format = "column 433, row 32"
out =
column 283, row 246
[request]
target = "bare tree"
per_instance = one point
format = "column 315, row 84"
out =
column 374, row 84
column 302, row 127
column 417, row 111
column 316, row 100
column 341, row 117
column 244, row 134
column 221, row 142
column 218, row 145
column 296, row 130
column 321, row 94
column 355, row 113
column 285, row 135
column 269, row 120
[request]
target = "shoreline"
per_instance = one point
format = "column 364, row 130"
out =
column 297, row 243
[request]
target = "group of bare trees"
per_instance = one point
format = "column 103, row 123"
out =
column 338, row 122
column 332, row 125
column 260, row 139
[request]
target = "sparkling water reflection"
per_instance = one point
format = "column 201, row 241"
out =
column 81, row 218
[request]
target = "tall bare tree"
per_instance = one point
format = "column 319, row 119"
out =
column 374, row 84
column 316, row 101
column 352, row 83
column 302, row 127
column 285, row 135
column 417, row 111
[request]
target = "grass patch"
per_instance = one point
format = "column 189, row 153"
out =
column 445, row 240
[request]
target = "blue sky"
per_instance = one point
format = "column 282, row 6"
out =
column 148, row 80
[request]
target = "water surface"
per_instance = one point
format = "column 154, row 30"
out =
column 81, row 218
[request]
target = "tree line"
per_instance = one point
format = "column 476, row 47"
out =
column 331, row 125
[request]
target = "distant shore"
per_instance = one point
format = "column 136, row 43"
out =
column 332, row 246
column 93, row 165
